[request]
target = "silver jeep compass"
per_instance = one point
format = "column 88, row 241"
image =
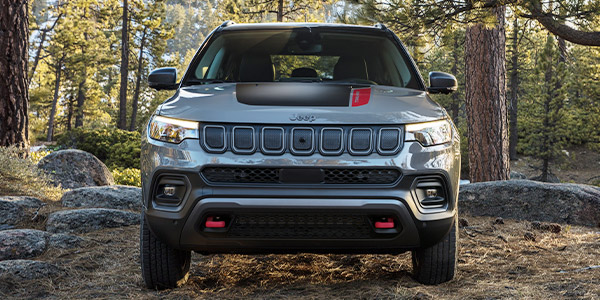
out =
column 294, row 137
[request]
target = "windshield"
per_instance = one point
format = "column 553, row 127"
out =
column 303, row 55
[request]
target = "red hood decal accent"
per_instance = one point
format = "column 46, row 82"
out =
column 360, row 96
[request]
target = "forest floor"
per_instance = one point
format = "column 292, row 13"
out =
column 580, row 165
column 495, row 261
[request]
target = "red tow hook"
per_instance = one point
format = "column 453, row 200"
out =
column 212, row 223
column 389, row 223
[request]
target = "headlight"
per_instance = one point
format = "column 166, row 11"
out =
column 172, row 130
column 430, row 133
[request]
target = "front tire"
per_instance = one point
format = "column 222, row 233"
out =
column 437, row 263
column 162, row 266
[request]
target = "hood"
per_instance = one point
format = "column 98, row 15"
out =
column 291, row 103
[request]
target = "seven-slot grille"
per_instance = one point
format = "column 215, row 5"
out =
column 302, row 140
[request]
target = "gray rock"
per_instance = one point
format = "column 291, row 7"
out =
column 11, row 213
column 6, row 227
column 113, row 196
column 530, row 200
column 20, row 269
column 517, row 175
column 89, row 219
column 24, row 201
column 22, row 243
column 65, row 241
column 75, row 168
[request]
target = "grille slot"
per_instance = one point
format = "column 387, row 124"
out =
column 302, row 140
column 214, row 137
column 332, row 140
column 389, row 140
column 243, row 139
column 273, row 140
column 301, row 226
column 237, row 175
column 360, row 141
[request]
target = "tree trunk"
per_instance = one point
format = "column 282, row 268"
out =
column 280, row 11
column 485, row 87
column 38, row 53
column 80, row 101
column 138, row 81
column 547, row 124
column 54, row 101
column 70, row 113
column 454, row 105
column 514, row 88
column 14, row 80
column 122, row 122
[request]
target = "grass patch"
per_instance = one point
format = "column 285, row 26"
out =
column 20, row 177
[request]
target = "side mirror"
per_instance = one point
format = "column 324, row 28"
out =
column 163, row 79
column 441, row 82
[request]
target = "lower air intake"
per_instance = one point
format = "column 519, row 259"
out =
column 300, row 226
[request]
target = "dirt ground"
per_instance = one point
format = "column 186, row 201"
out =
column 495, row 261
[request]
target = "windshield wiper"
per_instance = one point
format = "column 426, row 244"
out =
column 205, row 81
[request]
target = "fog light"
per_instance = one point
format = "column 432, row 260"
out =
column 431, row 193
column 169, row 191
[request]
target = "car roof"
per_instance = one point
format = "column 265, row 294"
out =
column 230, row 26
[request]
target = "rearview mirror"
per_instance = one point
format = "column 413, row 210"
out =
column 440, row 82
column 163, row 79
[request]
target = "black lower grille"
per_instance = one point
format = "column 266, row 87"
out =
column 273, row 175
column 301, row 226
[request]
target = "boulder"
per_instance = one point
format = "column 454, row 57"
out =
column 112, row 196
column 89, row 219
column 65, row 241
column 530, row 200
column 22, row 243
column 75, row 168
column 20, row 269
column 24, row 201
column 10, row 213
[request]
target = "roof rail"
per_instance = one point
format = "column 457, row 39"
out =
column 227, row 23
column 380, row 26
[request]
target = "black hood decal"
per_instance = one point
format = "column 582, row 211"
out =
column 294, row 94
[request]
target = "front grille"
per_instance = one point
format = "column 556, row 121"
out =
column 302, row 140
column 300, row 226
column 235, row 175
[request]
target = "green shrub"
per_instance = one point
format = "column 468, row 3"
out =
column 21, row 177
column 115, row 147
column 129, row 176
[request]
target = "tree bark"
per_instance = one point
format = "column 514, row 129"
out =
column 138, row 81
column 122, row 122
column 14, row 80
column 80, row 101
column 485, row 87
column 280, row 11
column 70, row 112
column 54, row 101
column 514, row 88
column 454, row 105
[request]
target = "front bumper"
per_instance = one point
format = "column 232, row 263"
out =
column 181, row 225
